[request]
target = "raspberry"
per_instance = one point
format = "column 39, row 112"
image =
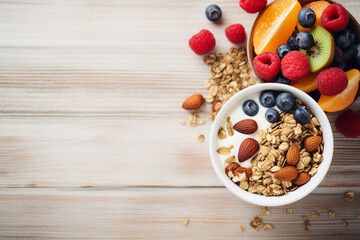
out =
column 267, row 65
column 235, row 33
column 348, row 124
column 332, row 81
column 203, row 42
column 335, row 18
column 295, row 65
column 252, row 6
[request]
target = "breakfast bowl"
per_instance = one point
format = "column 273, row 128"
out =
column 281, row 36
column 226, row 146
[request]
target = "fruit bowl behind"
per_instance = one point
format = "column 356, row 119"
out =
column 354, row 25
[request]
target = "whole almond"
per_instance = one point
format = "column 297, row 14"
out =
column 302, row 179
column 288, row 173
column 311, row 143
column 246, row 126
column 231, row 167
column 194, row 102
column 247, row 149
column 293, row 155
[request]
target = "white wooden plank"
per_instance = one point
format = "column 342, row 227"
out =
column 159, row 214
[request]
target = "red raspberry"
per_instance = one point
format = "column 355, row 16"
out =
column 295, row 65
column 335, row 18
column 267, row 65
column 348, row 124
column 332, row 81
column 203, row 42
column 252, row 6
column 235, row 33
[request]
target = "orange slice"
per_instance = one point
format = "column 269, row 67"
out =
column 344, row 99
column 275, row 25
column 306, row 84
column 318, row 7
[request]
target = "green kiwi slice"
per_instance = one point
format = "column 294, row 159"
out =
column 322, row 53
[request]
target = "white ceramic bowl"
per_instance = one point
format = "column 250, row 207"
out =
column 302, row 191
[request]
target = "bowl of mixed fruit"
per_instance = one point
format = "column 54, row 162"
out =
column 311, row 45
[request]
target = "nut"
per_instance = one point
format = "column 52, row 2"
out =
column 247, row 149
column 213, row 107
column 194, row 102
column 293, row 155
column 302, row 179
column 311, row 143
column 288, row 173
column 231, row 168
column 247, row 126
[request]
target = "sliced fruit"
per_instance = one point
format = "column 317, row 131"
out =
column 344, row 99
column 322, row 53
column 275, row 25
column 306, row 84
column 318, row 7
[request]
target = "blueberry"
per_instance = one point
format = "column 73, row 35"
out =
column 267, row 98
column 283, row 80
column 307, row 17
column 357, row 57
column 339, row 56
column 305, row 40
column 345, row 38
column 250, row 107
column 301, row 115
column 272, row 115
column 282, row 50
column 213, row 12
column 292, row 43
column 350, row 52
column 285, row 101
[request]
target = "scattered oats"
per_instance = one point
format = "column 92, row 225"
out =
column 315, row 214
column 304, row 218
column 306, row 226
column 326, row 210
column 331, row 213
column 346, row 224
column 186, row 221
column 224, row 151
column 265, row 211
column 194, row 120
column 230, row 159
column 229, row 127
column 201, row 138
column 349, row 196
column 328, row 175
column 256, row 223
column 221, row 133
column 268, row 227
column 182, row 122
column 242, row 228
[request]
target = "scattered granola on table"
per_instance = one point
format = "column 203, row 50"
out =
column 258, row 224
column 265, row 211
column 186, row 221
column 315, row 214
column 349, row 196
column 201, row 138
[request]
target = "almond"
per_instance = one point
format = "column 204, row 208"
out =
column 288, row 173
column 293, row 155
column 302, row 179
column 247, row 149
column 231, row 168
column 247, row 126
column 311, row 143
column 194, row 102
column 214, row 104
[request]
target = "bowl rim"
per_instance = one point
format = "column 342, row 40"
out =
column 290, row 197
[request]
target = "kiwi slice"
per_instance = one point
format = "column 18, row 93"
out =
column 322, row 53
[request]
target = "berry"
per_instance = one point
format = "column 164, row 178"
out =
column 307, row 17
column 250, row 108
column 235, row 33
column 252, row 6
column 292, row 43
column 267, row 98
column 285, row 101
column 350, row 52
column 295, row 65
column 213, row 12
column 301, row 115
column 282, row 50
column 272, row 115
column 305, row 40
column 335, row 18
column 348, row 124
column 267, row 65
column 203, row 42
column 345, row 38
column 339, row 56
column 332, row 81
column 357, row 57
column 283, row 80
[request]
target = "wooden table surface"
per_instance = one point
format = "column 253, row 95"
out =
column 90, row 141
